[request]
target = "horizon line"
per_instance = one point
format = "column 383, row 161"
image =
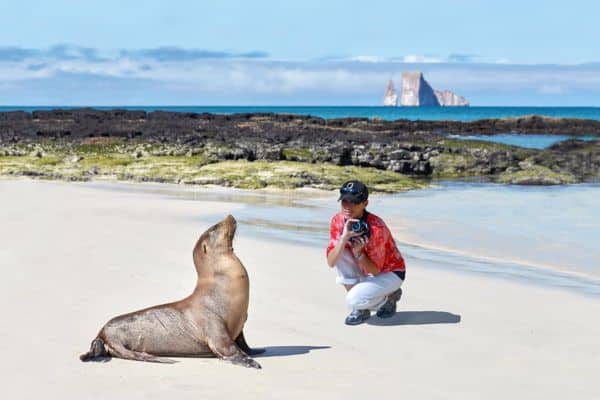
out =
column 291, row 106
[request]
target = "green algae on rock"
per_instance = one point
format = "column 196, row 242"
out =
column 289, row 175
column 200, row 170
column 535, row 175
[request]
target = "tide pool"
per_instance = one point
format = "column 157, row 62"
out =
column 537, row 235
column 548, row 227
column 529, row 141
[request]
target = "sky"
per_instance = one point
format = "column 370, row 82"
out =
column 308, row 52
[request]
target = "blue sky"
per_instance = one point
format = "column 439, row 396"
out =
column 295, row 52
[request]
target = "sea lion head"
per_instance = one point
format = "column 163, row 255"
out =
column 216, row 242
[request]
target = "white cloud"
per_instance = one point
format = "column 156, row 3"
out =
column 420, row 59
column 363, row 77
column 369, row 59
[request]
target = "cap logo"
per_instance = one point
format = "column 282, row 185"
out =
column 350, row 185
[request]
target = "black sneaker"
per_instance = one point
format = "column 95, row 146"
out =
column 357, row 317
column 395, row 296
column 388, row 309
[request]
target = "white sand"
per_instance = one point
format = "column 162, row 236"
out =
column 71, row 257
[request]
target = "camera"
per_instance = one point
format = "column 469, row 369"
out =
column 360, row 227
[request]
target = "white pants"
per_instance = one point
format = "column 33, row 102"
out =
column 369, row 292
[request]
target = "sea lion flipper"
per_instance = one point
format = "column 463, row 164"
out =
column 241, row 342
column 122, row 352
column 97, row 352
column 226, row 349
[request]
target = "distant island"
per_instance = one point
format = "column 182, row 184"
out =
column 416, row 92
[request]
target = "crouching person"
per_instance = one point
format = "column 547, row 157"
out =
column 363, row 252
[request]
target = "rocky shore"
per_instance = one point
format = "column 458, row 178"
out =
column 84, row 144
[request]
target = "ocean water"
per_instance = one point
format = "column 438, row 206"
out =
column 537, row 235
column 528, row 141
column 385, row 113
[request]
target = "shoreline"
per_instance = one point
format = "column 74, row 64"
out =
column 538, row 274
column 521, row 269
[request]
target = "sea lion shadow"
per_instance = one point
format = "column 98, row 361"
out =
column 416, row 318
column 277, row 351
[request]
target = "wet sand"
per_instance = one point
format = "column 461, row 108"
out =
column 73, row 256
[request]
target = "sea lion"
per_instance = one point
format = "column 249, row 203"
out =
column 208, row 322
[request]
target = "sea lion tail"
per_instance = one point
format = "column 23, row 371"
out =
column 97, row 351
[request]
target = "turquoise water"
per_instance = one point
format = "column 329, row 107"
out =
column 529, row 141
column 386, row 113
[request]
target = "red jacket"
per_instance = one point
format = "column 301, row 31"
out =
column 381, row 247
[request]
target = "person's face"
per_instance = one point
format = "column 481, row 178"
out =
column 351, row 210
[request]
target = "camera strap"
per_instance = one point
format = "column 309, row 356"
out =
column 365, row 216
column 363, row 219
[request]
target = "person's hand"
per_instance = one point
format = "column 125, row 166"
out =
column 358, row 244
column 347, row 233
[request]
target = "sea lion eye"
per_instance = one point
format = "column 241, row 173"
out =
column 204, row 247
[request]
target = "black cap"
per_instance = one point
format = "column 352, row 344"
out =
column 355, row 191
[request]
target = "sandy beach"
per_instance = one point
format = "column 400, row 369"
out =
column 73, row 256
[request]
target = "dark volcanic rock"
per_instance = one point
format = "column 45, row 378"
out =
column 577, row 157
column 408, row 147
column 273, row 128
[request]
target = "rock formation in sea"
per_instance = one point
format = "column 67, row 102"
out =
column 449, row 99
column 416, row 91
column 391, row 98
